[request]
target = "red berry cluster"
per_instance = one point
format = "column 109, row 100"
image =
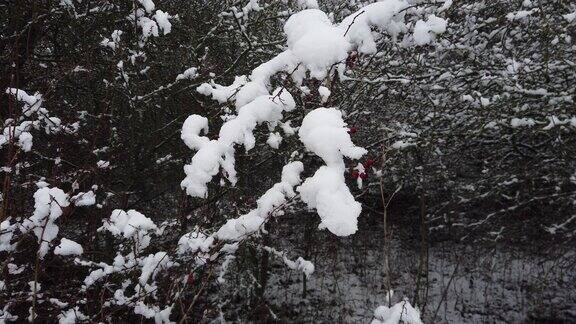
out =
column 368, row 163
column 351, row 60
column 355, row 174
column 362, row 175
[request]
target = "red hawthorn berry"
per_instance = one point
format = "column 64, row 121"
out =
column 355, row 174
column 352, row 130
column 190, row 279
column 368, row 163
column 350, row 63
column 351, row 60
column 363, row 175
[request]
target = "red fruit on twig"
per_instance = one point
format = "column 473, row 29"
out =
column 352, row 130
column 351, row 60
column 355, row 174
column 363, row 175
column 368, row 163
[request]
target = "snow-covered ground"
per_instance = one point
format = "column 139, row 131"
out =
column 489, row 285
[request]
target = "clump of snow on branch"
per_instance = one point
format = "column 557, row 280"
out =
column 68, row 247
column 114, row 40
column 324, row 93
column 213, row 154
column 48, row 207
column 84, row 199
column 194, row 242
column 300, row 264
column 137, row 228
column 237, row 228
column 315, row 41
column 324, row 133
column 223, row 93
column 6, row 234
column 162, row 19
column 189, row 74
column 131, row 225
column 401, row 312
column 240, row 228
column 387, row 15
column 20, row 128
column 150, row 21
column 274, row 140
column 71, row 316
column 152, row 265
column 426, row 31
column 32, row 103
column 148, row 5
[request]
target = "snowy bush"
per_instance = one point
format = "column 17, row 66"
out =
column 152, row 151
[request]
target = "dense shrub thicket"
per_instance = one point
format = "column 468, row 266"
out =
column 466, row 110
